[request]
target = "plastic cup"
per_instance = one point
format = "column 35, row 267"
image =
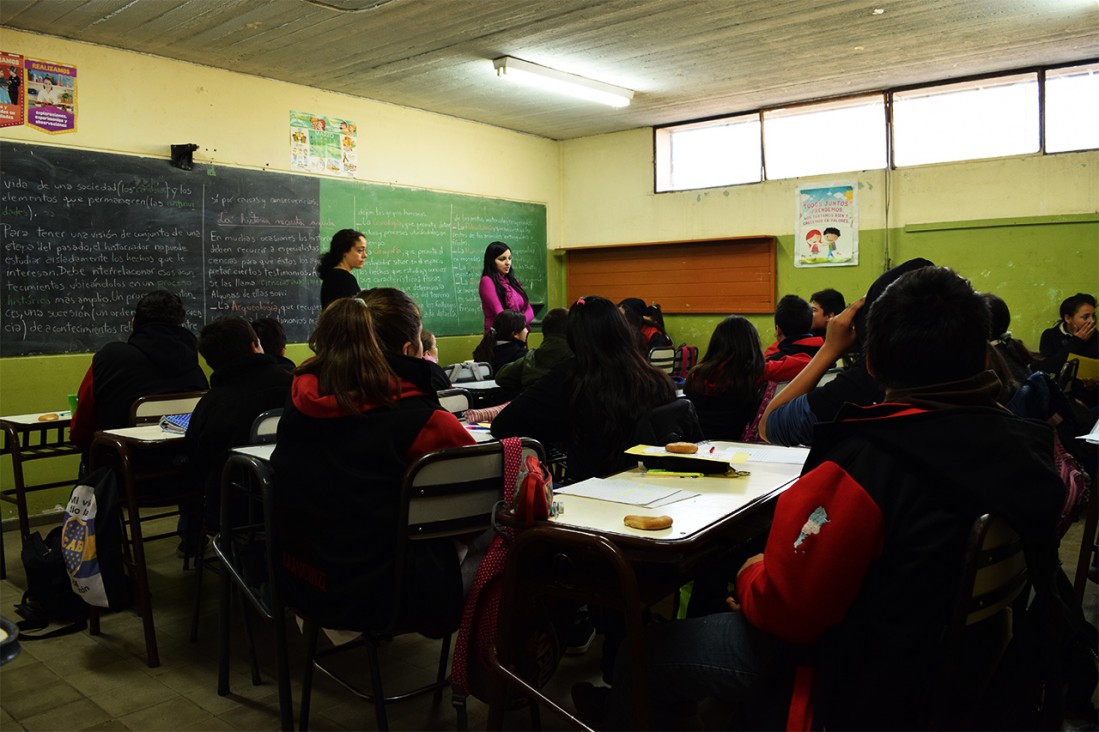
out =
column 72, row 403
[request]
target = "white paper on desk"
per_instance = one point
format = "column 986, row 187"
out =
column 1093, row 436
column 674, row 498
column 617, row 491
column 773, row 454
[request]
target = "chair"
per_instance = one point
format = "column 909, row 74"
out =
column 459, row 373
column 265, row 427
column 1068, row 374
column 455, row 401
column 146, row 466
column 447, row 493
column 246, row 535
column 663, row 358
column 994, row 579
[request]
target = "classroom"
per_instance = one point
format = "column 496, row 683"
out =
column 1024, row 226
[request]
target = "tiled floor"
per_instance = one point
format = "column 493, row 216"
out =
column 80, row 682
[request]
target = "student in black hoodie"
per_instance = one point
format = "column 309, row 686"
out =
column 245, row 383
column 159, row 357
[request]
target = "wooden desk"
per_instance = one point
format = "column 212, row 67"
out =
column 128, row 450
column 27, row 439
column 587, row 555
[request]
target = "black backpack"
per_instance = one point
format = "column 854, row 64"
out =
column 49, row 597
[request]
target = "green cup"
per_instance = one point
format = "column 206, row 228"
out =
column 72, row 404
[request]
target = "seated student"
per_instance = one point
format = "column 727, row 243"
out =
column 504, row 342
column 272, row 337
column 725, row 385
column 790, row 417
column 1016, row 356
column 866, row 550
column 245, row 383
column 591, row 403
column 159, row 357
column 439, row 378
column 826, row 304
column 648, row 320
column 523, row 372
column 361, row 411
column 1072, row 335
column 793, row 330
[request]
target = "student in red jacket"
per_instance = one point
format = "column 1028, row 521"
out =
column 846, row 605
column 360, row 412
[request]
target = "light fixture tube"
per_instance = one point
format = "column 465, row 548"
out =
column 524, row 72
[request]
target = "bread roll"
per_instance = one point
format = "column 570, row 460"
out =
column 648, row 523
column 51, row 417
column 682, row 448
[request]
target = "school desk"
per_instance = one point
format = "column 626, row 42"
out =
column 587, row 555
column 143, row 456
column 27, row 438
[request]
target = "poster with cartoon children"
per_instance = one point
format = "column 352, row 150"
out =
column 826, row 230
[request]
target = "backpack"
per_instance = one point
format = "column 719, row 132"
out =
column 49, row 597
column 92, row 542
column 684, row 360
column 541, row 652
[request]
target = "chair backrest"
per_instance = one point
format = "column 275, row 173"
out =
column 151, row 408
column 995, row 572
column 454, row 491
column 469, row 371
column 455, row 401
column 663, row 358
column 1068, row 374
column 265, row 427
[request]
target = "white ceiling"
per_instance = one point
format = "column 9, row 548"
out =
column 686, row 59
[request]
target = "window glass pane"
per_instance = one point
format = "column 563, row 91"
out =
column 708, row 154
column 1072, row 108
column 830, row 137
column 966, row 121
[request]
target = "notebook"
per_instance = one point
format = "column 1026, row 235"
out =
column 175, row 423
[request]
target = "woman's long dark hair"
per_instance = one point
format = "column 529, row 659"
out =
column 613, row 384
column 733, row 362
column 494, row 250
column 342, row 241
column 504, row 327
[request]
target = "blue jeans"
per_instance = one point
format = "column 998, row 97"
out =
column 721, row 656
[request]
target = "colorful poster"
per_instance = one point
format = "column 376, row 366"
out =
column 323, row 144
column 11, row 89
column 51, row 96
column 826, row 233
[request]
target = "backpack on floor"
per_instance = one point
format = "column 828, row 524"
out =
column 92, row 542
column 49, row 597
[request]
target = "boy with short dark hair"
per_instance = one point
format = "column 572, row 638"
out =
column 865, row 553
column 538, row 362
column 826, row 304
column 272, row 336
column 245, row 383
column 793, row 330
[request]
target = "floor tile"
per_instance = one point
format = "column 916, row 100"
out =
column 175, row 713
column 74, row 715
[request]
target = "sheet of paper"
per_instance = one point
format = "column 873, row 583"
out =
column 1093, row 436
column 676, row 497
column 770, row 454
column 618, row 491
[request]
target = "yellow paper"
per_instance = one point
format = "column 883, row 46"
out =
column 1088, row 369
column 740, row 457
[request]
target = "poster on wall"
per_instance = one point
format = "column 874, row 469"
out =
column 51, row 96
column 11, row 89
column 323, row 144
column 826, row 232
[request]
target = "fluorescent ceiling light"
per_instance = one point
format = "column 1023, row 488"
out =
column 524, row 72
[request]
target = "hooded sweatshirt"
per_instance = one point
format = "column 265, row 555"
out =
column 157, row 359
column 338, row 481
column 865, row 552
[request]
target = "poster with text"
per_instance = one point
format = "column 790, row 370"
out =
column 11, row 89
column 323, row 144
column 826, row 233
column 51, row 96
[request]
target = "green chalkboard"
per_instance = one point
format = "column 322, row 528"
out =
column 83, row 235
column 432, row 245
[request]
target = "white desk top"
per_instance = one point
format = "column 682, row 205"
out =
column 475, row 385
column 719, row 497
column 144, row 433
column 263, row 452
column 31, row 420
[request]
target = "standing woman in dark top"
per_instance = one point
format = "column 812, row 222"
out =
column 346, row 252
column 499, row 289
